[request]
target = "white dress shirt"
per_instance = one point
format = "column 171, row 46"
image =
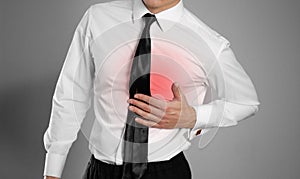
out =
column 98, row 63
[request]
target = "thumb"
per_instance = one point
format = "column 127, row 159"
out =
column 176, row 91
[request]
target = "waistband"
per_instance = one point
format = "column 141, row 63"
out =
column 177, row 160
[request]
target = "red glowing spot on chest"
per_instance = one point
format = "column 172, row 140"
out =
column 160, row 86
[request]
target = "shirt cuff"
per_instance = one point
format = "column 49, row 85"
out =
column 54, row 164
column 203, row 114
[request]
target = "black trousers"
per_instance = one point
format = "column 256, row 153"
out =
column 176, row 167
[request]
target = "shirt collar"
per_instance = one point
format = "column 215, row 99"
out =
column 166, row 19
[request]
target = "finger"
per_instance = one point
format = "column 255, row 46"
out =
column 147, row 123
column 146, row 107
column 161, row 104
column 144, row 114
column 176, row 91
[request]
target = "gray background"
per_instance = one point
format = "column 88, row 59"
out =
column 35, row 35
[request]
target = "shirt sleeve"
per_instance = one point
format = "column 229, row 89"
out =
column 233, row 98
column 71, row 99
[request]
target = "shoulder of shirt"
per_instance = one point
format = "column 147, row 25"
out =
column 111, row 6
column 103, row 16
column 215, row 40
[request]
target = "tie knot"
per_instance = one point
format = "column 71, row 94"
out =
column 149, row 19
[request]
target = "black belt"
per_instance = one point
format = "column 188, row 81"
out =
column 152, row 166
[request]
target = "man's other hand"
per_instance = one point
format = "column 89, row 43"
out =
column 159, row 113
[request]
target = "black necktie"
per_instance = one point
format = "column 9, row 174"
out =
column 135, row 151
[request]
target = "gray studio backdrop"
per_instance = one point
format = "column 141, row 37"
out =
column 35, row 36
